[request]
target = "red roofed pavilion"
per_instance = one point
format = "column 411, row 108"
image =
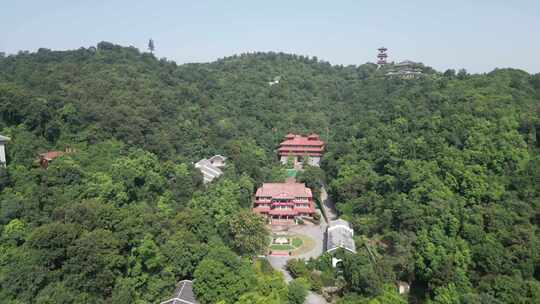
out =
column 300, row 148
column 45, row 158
column 283, row 203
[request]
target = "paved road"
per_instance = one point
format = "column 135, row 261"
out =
column 313, row 298
column 279, row 262
column 316, row 232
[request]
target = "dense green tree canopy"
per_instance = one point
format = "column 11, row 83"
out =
column 438, row 175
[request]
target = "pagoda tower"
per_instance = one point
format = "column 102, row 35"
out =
column 382, row 56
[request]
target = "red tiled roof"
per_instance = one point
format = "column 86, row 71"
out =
column 298, row 149
column 283, row 212
column 294, row 211
column 304, row 210
column 285, row 153
column 261, row 210
column 289, row 190
column 51, row 154
column 289, row 203
column 298, row 140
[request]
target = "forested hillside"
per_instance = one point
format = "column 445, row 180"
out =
column 440, row 176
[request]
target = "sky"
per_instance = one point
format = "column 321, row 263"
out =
column 478, row 35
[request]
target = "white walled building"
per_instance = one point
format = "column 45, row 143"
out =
column 210, row 168
column 339, row 234
column 3, row 141
column 183, row 294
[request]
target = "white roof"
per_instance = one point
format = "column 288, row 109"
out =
column 183, row 294
column 4, row 138
column 340, row 235
column 208, row 170
column 406, row 62
column 217, row 156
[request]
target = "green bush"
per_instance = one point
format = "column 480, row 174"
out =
column 297, row 268
column 298, row 290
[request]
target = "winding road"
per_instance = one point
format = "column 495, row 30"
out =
column 316, row 232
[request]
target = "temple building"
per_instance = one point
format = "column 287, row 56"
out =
column 406, row 69
column 299, row 150
column 3, row 142
column 284, row 203
column 210, row 168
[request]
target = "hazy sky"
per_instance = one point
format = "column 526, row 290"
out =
column 477, row 35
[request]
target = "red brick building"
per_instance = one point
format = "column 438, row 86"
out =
column 283, row 203
column 301, row 149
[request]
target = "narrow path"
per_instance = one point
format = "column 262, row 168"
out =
column 280, row 263
column 328, row 205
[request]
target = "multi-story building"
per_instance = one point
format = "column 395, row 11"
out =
column 284, row 203
column 299, row 150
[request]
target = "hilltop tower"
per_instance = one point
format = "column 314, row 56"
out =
column 382, row 56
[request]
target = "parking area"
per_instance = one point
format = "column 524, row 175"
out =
column 314, row 232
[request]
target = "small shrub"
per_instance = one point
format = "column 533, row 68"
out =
column 315, row 282
column 297, row 291
column 297, row 268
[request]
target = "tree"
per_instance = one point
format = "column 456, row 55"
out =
column 248, row 233
column 94, row 262
column 15, row 232
column 52, row 242
column 151, row 46
column 439, row 173
column 462, row 74
column 219, row 204
column 183, row 252
column 247, row 157
column 361, row 275
column 450, row 73
column 446, row 295
column 297, row 268
column 222, row 279
column 442, row 259
column 298, row 290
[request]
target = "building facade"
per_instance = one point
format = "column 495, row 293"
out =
column 3, row 141
column 284, row 203
column 301, row 150
column 406, row 69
